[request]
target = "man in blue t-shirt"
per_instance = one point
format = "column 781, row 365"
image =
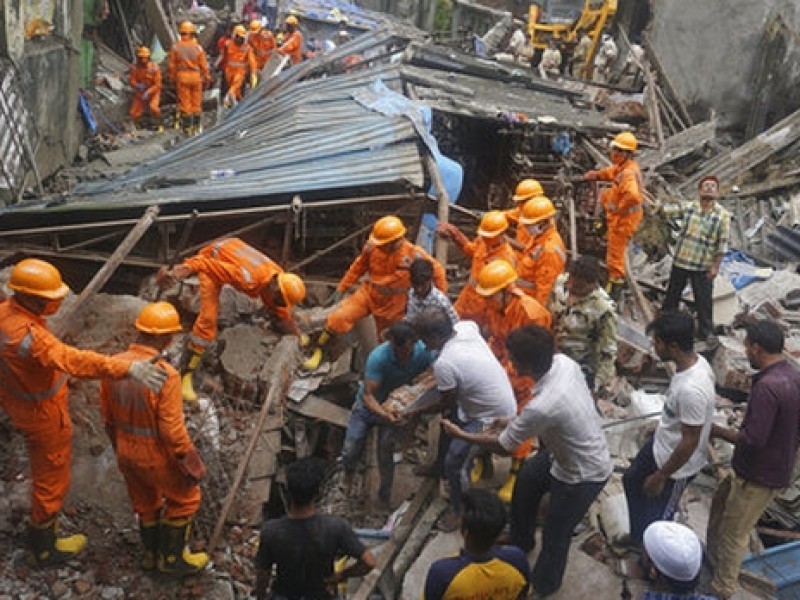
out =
column 394, row 363
column 481, row 570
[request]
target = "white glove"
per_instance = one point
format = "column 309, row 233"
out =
column 148, row 374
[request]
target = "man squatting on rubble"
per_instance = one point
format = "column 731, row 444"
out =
column 161, row 466
column 34, row 366
column 233, row 262
column 672, row 559
column 474, row 392
column 395, row 362
column 303, row 544
column 702, row 244
column 573, row 468
column 669, row 460
column 764, row 456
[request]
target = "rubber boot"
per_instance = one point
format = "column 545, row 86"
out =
column 159, row 125
column 505, row 492
column 173, row 555
column 198, row 125
column 614, row 289
column 46, row 548
column 312, row 363
column 178, row 120
column 149, row 532
column 187, row 124
column 187, row 385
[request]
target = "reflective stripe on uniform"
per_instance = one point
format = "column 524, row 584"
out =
column 148, row 432
column 198, row 342
column 525, row 283
column 20, row 392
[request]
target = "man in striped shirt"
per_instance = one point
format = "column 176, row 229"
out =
column 423, row 294
column 702, row 243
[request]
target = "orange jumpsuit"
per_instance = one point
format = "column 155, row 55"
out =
column 521, row 310
column 293, row 47
column 34, row 366
column 239, row 61
column 470, row 304
column 145, row 80
column 623, row 206
column 230, row 261
column 187, row 66
column 384, row 292
column 540, row 263
column 148, row 434
column 263, row 44
column 523, row 237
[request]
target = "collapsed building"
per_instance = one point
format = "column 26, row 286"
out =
column 388, row 123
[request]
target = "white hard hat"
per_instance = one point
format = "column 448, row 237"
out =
column 674, row 550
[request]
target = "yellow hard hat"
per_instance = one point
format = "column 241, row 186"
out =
column 494, row 277
column 625, row 141
column 240, row 31
column 536, row 209
column 256, row 26
column 292, row 20
column 158, row 318
column 292, row 288
column 143, row 52
column 493, row 224
column 187, row 27
column 386, row 230
column 527, row 189
column 37, row 278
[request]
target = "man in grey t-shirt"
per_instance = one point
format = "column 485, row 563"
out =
column 576, row 464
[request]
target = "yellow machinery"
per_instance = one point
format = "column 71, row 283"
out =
column 563, row 19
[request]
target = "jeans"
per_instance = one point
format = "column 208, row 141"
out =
column 643, row 509
column 361, row 421
column 457, row 455
column 568, row 505
column 702, row 288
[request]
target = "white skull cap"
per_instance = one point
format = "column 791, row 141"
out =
column 674, row 550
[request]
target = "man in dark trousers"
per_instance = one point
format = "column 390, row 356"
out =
column 303, row 545
column 764, row 457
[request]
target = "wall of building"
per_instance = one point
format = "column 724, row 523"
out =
column 709, row 50
column 49, row 67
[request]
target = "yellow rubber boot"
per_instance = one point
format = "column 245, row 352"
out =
column 505, row 492
column 187, row 385
column 313, row 362
column 173, row 555
column 46, row 548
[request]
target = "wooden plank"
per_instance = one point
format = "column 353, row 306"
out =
column 286, row 353
column 679, row 145
column 67, row 319
column 315, row 407
column 443, row 208
column 399, row 536
column 158, row 20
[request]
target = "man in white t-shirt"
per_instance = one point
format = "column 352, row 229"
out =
column 576, row 464
column 473, row 383
column 668, row 461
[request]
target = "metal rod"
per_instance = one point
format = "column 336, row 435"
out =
column 299, row 265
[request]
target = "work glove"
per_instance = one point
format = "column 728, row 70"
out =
column 335, row 298
column 192, row 466
column 304, row 339
column 253, row 81
column 148, row 374
column 146, row 95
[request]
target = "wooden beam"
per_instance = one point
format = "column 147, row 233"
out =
column 286, row 360
column 66, row 319
column 443, row 209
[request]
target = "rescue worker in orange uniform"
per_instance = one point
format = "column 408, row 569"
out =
column 262, row 42
column 187, row 68
column 385, row 260
column 544, row 257
column 489, row 245
column 292, row 45
column 145, row 79
column 622, row 203
column 34, row 368
column 239, row 61
column 525, row 190
column 508, row 308
column 160, row 464
column 233, row 262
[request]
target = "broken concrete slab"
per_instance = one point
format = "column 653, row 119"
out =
column 318, row 408
column 731, row 366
